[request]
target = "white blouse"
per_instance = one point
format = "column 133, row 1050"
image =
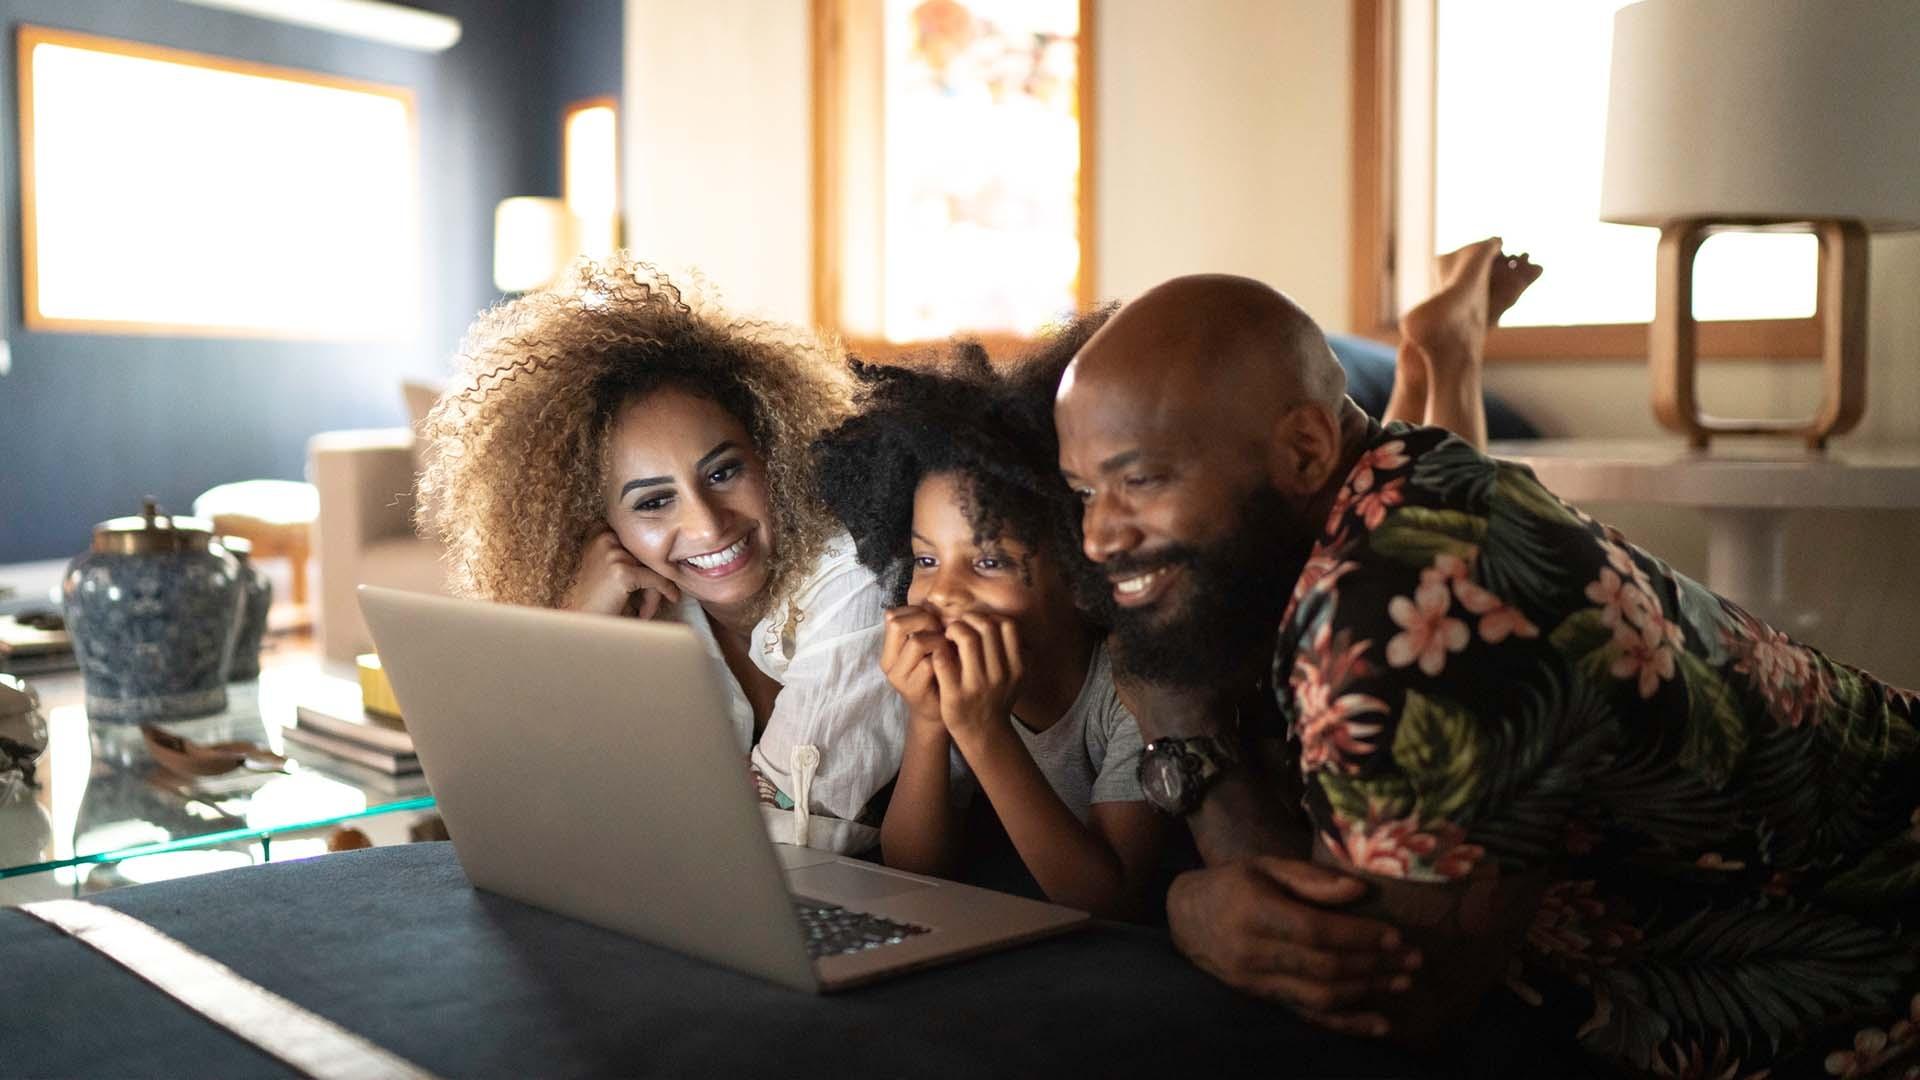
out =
column 838, row 729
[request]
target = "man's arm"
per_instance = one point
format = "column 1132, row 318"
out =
column 1259, row 917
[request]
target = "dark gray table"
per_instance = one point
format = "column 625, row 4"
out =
column 393, row 943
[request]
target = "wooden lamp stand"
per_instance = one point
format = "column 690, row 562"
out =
column 1843, row 314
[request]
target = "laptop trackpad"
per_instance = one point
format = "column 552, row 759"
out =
column 844, row 882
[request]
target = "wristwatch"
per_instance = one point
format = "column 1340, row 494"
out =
column 1176, row 773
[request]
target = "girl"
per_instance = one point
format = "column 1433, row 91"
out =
column 948, row 485
column 611, row 447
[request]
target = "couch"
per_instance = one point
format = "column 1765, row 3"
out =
column 365, row 532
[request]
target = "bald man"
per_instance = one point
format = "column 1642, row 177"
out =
column 1439, row 735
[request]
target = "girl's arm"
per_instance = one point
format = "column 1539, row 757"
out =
column 921, row 831
column 1103, row 867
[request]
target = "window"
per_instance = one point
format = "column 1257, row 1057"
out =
column 951, row 166
column 590, row 174
column 173, row 192
column 1487, row 117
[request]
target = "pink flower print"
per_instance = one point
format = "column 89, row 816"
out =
column 1327, row 725
column 1373, row 506
column 1786, row 675
column 1447, row 569
column 1322, row 572
column 1341, row 504
column 1571, row 921
column 1621, row 600
column 1427, row 634
column 1874, row 1047
column 1403, row 849
column 1389, row 455
column 1713, row 860
column 1498, row 621
column 1642, row 654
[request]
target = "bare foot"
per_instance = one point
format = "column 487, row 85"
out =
column 1508, row 278
column 1451, row 325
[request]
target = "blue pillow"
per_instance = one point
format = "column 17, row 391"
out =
column 1369, row 367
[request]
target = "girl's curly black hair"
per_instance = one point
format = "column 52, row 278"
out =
column 956, row 414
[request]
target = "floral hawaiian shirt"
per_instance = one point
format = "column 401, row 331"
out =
column 1473, row 670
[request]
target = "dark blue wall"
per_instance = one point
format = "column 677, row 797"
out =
column 90, row 423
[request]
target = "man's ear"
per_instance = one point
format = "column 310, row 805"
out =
column 1306, row 449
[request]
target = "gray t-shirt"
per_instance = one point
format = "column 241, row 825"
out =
column 1092, row 754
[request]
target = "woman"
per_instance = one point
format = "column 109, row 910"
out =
column 610, row 446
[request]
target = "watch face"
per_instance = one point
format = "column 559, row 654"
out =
column 1162, row 780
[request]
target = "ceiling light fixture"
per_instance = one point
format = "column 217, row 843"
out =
column 375, row 20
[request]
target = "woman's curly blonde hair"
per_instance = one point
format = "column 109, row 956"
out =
column 514, row 479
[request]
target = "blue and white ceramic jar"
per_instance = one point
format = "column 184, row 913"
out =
column 153, row 610
column 256, row 598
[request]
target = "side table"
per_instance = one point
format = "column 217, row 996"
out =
column 101, row 799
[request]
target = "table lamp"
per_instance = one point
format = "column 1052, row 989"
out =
column 1756, row 114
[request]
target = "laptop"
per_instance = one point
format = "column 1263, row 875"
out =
column 587, row 765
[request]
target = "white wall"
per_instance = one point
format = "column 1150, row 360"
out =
column 1222, row 144
column 716, row 132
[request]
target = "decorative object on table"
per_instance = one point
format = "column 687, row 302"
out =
column 35, row 643
column 348, row 838
column 189, row 757
column 376, row 693
column 153, row 609
column 1786, row 114
column 276, row 516
column 23, row 728
column 257, row 594
column 26, row 829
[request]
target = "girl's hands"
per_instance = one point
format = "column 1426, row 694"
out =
column 978, row 675
column 913, row 636
column 610, row 581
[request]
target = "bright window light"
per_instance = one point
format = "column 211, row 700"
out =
column 982, row 165
column 1520, row 101
column 592, row 176
column 169, row 192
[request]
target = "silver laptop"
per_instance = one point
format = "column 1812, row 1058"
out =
column 587, row 765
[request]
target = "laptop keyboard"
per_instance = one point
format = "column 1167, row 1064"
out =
column 835, row 931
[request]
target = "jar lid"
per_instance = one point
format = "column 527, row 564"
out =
column 152, row 532
column 16, row 697
column 240, row 546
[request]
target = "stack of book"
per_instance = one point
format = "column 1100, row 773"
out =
column 341, row 723
column 35, row 643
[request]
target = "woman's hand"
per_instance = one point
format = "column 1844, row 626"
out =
column 913, row 636
column 610, row 581
column 978, row 676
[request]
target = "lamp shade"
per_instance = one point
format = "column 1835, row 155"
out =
column 1764, row 110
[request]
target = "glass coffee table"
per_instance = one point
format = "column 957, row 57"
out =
column 104, row 813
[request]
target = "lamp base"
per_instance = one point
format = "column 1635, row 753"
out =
column 1843, row 314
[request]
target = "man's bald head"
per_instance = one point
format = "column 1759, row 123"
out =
column 1225, row 344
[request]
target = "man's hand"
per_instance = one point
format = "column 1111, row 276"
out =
column 1262, row 926
column 914, row 634
column 610, row 581
column 978, row 676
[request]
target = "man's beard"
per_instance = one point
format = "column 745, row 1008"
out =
column 1236, row 591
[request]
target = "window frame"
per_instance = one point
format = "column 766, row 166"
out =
column 1376, row 187
column 29, row 35
column 829, row 78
